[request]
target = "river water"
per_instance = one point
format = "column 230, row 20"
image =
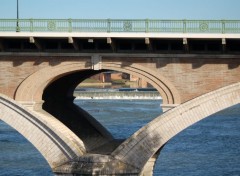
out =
column 210, row 147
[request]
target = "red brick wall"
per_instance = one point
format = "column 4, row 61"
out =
column 14, row 69
column 191, row 76
column 195, row 76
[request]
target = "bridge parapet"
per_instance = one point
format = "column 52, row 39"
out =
column 120, row 25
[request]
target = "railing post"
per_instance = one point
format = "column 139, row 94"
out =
column 184, row 26
column 108, row 25
column 31, row 25
column 69, row 25
column 147, row 25
column 223, row 27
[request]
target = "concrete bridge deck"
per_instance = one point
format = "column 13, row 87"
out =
column 146, row 34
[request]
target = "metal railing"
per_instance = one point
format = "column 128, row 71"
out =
column 118, row 25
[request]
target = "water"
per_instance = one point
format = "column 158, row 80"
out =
column 18, row 156
column 210, row 147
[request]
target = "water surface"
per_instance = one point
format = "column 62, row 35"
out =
column 210, row 147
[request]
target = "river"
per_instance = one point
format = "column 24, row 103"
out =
column 210, row 147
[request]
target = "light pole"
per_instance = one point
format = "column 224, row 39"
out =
column 17, row 18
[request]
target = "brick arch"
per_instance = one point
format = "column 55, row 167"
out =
column 31, row 89
column 55, row 146
column 142, row 145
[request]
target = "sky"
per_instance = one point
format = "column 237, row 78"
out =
column 121, row 9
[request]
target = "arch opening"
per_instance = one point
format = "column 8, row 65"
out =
column 58, row 101
column 32, row 88
column 122, row 100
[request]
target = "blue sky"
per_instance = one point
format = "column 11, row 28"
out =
column 122, row 9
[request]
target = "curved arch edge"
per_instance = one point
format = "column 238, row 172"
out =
column 143, row 144
column 41, row 132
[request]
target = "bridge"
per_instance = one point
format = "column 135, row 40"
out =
column 194, row 64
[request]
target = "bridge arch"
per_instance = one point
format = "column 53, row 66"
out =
column 31, row 89
column 42, row 131
column 147, row 141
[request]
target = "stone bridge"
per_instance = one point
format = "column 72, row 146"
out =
column 197, row 73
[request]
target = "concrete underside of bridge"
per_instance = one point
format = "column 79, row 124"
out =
column 44, row 84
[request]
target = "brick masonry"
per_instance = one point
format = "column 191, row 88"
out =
column 186, row 77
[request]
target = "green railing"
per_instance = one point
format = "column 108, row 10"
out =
column 117, row 25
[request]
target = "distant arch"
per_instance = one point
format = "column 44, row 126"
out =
column 143, row 144
column 42, row 132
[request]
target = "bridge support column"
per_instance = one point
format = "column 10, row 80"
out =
column 96, row 164
column 166, row 107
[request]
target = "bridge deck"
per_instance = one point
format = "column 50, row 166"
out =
column 109, row 35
